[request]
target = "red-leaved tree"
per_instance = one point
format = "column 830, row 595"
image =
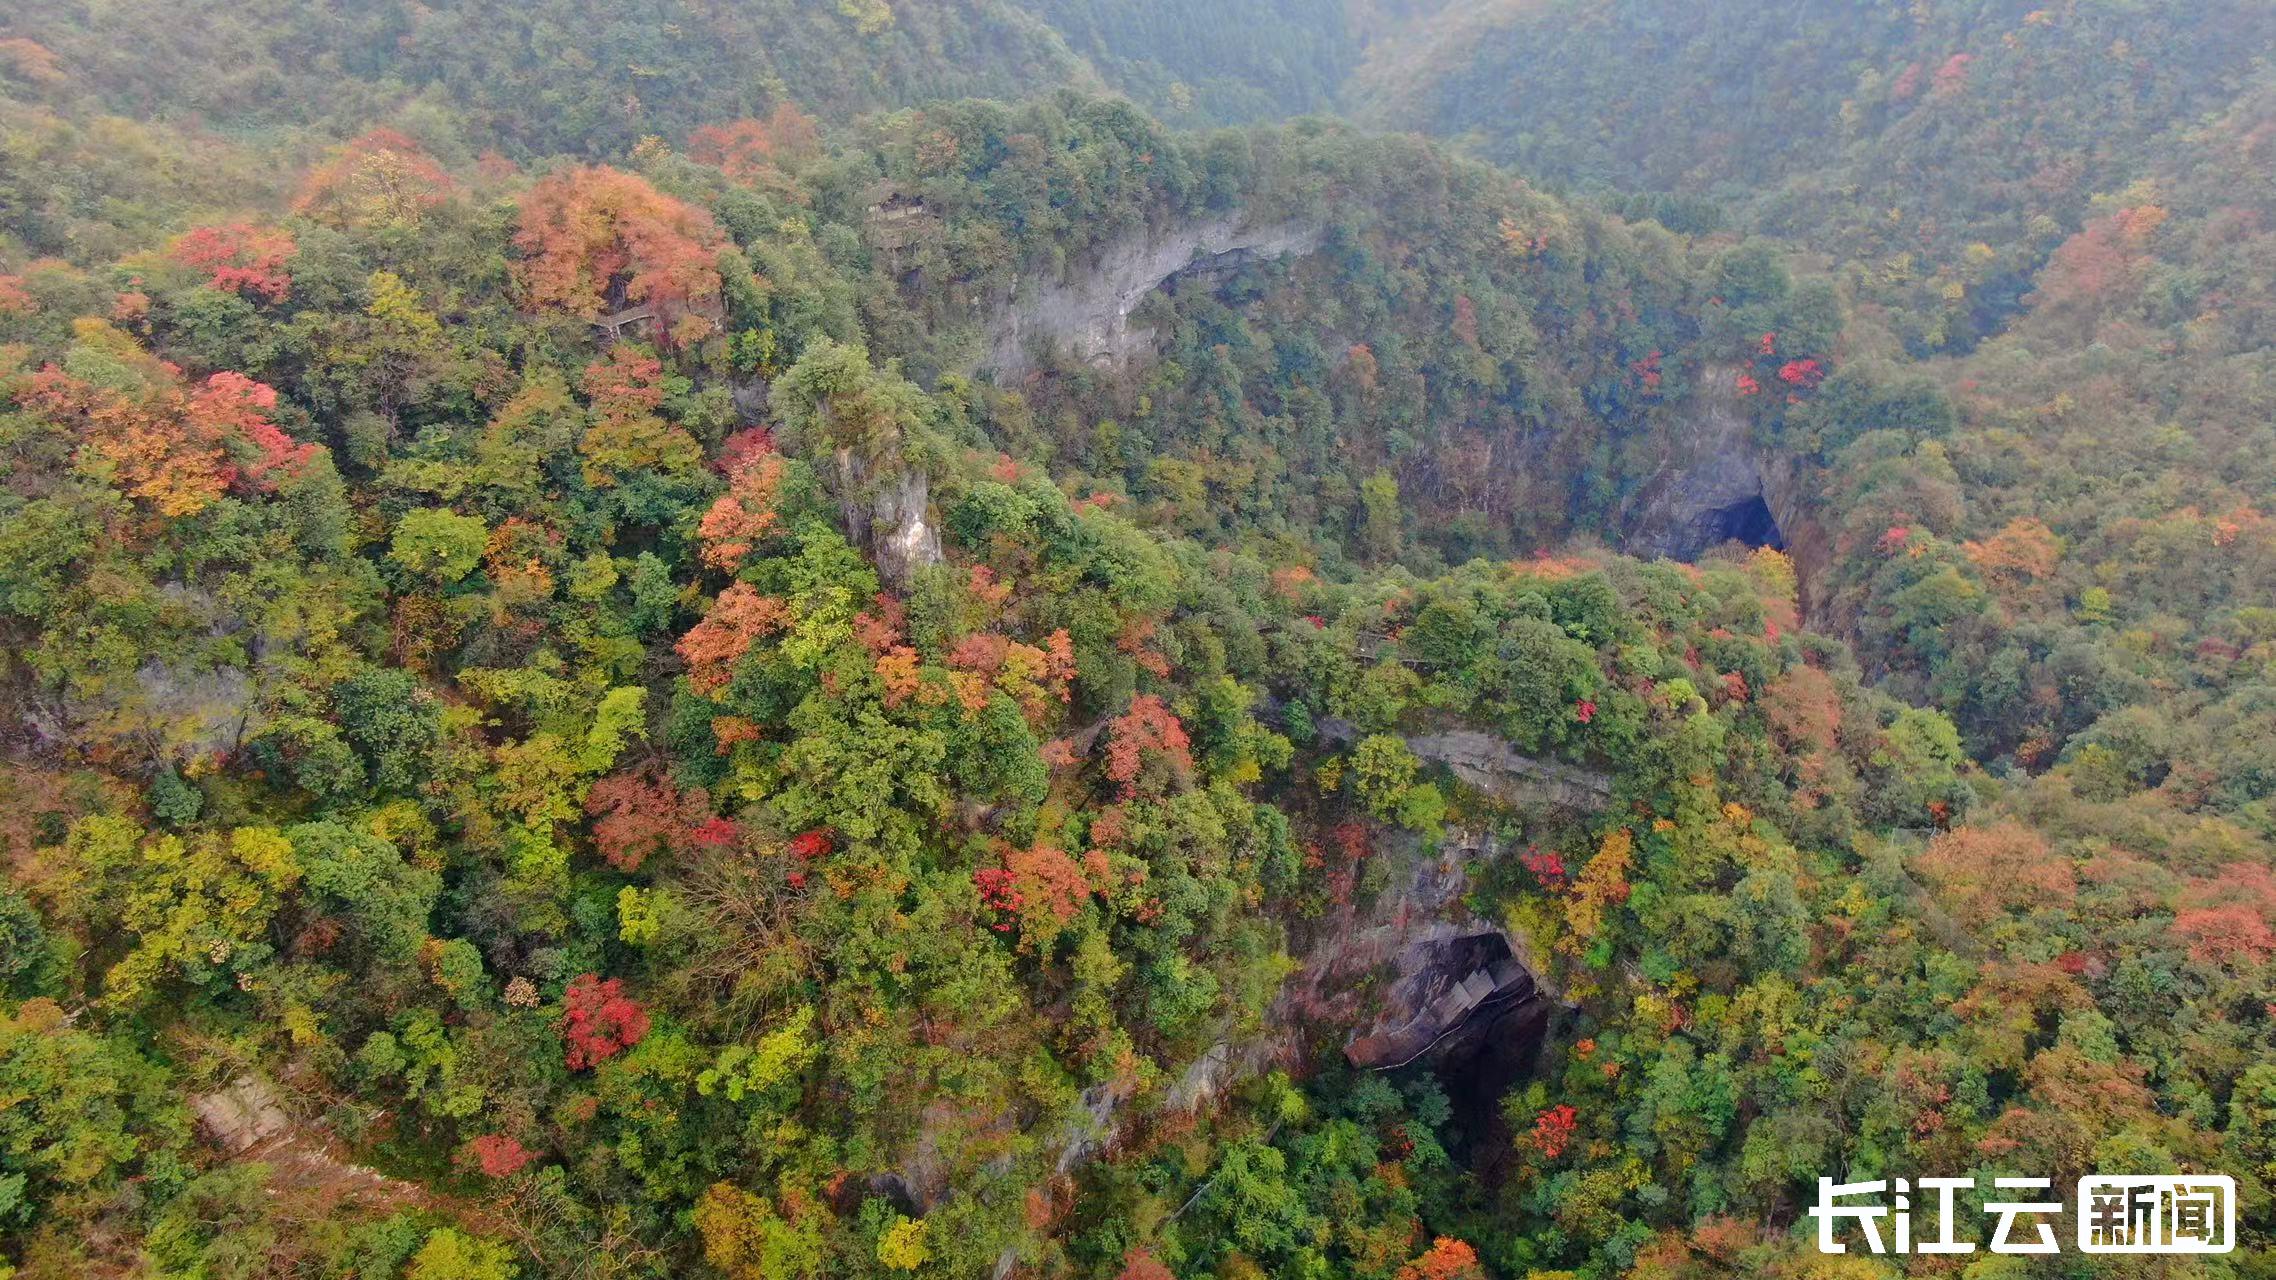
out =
column 1149, row 734
column 1141, row 1265
column 498, row 1156
column 742, row 515
column 739, row 617
column 638, row 816
column 239, row 258
column 1446, row 1259
column 1553, row 1131
column 752, row 151
column 599, row 1021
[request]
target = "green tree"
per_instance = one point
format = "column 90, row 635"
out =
column 439, row 545
column 450, row 1254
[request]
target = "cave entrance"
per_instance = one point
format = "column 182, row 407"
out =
column 1479, row 1069
column 1747, row 522
column 1488, row 1048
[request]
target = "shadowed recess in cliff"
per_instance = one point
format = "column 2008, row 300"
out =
column 1451, row 993
column 1748, row 522
column 1466, row 1009
column 1714, row 484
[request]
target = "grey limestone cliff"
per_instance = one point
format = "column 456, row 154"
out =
column 1084, row 312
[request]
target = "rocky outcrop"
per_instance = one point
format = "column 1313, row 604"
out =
column 183, row 706
column 1460, row 997
column 1453, row 986
column 1708, row 484
column 240, row 1116
column 246, row 1120
column 1419, row 981
column 1414, row 976
column 888, row 515
column 1715, row 485
column 1493, row 766
column 1085, row 312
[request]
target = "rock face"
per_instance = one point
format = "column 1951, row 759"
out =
column 888, row 515
column 197, row 708
column 241, row 1116
column 1715, row 485
column 1422, row 982
column 1416, row 977
column 1410, row 977
column 1086, row 312
column 1453, row 987
column 244, row 1119
column 1709, row 488
column 1491, row 765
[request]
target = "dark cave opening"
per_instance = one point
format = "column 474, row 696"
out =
column 1487, row 1049
column 1748, row 522
column 1479, row 1070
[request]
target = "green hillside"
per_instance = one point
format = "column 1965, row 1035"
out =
column 805, row 640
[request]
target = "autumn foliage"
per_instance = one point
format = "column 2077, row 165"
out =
column 999, row 897
column 1601, row 886
column 597, row 239
column 752, row 151
column 626, row 388
column 1553, row 1131
column 381, row 179
column 1984, row 873
column 738, row 618
column 497, row 1155
column 1141, row 1265
column 31, row 61
column 744, row 514
column 235, row 407
column 598, row 1021
column 2025, row 550
column 1043, row 887
column 1803, row 375
column 1446, row 1259
column 239, row 258
column 1038, row 678
column 1147, row 742
column 177, row 449
column 2226, row 920
column 2106, row 262
column 638, row 816
column 2225, row 935
column 397, row 755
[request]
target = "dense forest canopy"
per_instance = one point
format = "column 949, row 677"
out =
column 859, row 638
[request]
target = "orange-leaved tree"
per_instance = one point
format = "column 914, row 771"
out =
column 597, row 240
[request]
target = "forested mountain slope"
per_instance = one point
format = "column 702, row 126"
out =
column 1939, row 151
column 1230, row 61
column 550, row 78
column 558, row 688
column 2077, row 183
column 567, row 78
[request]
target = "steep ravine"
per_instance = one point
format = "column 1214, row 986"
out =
column 1409, row 977
column 1404, row 977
